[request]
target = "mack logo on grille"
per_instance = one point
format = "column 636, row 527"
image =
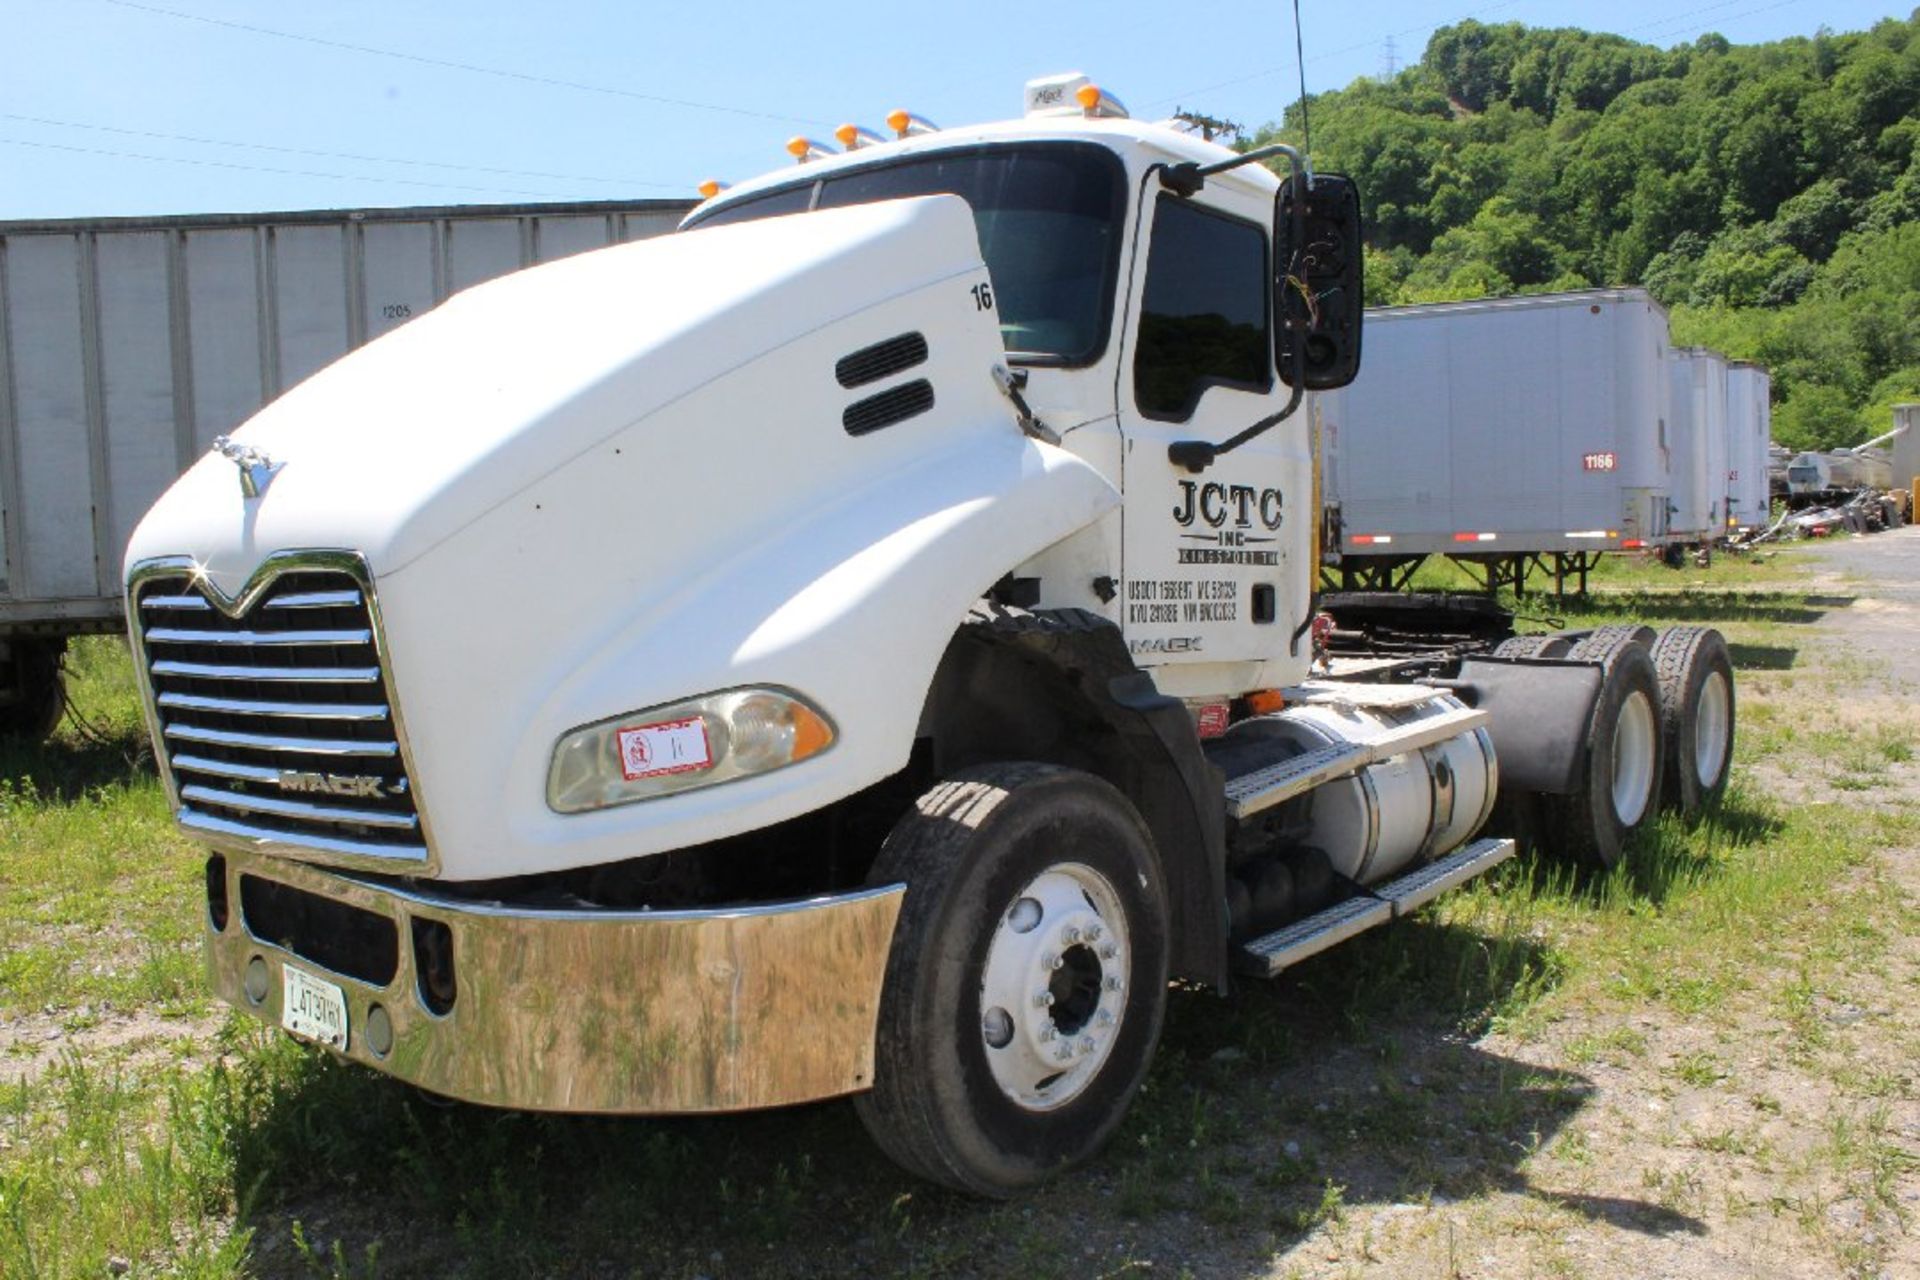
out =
column 335, row 784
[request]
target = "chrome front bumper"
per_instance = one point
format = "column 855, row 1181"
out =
column 588, row 1010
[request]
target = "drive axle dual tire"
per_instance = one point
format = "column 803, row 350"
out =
column 1696, row 715
column 1624, row 755
column 1027, row 980
column 1532, row 647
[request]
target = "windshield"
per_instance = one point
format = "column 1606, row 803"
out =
column 1048, row 216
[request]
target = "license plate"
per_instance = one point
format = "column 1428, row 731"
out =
column 313, row 1008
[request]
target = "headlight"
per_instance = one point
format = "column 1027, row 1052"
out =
column 681, row 746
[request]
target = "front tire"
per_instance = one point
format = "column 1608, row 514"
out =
column 1027, row 981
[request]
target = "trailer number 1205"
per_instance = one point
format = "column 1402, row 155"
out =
column 1598, row 461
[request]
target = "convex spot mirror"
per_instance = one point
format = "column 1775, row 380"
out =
column 1317, row 283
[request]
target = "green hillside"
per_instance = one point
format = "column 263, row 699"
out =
column 1768, row 194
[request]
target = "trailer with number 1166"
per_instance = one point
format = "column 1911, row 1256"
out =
column 1507, row 433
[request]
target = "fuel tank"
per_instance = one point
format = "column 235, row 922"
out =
column 1376, row 823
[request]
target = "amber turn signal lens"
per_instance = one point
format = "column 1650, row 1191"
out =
column 811, row 733
column 1264, row 702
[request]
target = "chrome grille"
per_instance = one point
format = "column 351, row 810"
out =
column 276, row 724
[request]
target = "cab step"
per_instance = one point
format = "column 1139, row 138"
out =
column 1357, row 693
column 1250, row 793
column 1422, row 885
column 1261, row 789
column 1266, row 956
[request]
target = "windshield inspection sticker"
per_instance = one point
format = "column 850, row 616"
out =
column 655, row 750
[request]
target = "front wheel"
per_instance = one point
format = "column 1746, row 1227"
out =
column 1027, row 981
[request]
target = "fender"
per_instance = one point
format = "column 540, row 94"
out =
column 1062, row 685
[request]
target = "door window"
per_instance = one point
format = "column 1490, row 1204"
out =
column 1203, row 317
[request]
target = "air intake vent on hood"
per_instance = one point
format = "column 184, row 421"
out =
column 881, row 360
column 895, row 404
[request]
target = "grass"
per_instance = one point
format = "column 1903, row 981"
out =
column 1286, row 1112
column 96, row 884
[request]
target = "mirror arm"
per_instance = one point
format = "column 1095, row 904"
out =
column 1197, row 455
column 1187, row 177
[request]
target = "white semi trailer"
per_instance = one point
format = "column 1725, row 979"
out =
column 1502, row 432
column 859, row 645
column 128, row 344
column 1697, row 404
column 1749, row 432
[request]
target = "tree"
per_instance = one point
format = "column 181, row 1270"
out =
column 1769, row 194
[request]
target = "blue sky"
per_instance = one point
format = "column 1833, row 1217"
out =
column 116, row 107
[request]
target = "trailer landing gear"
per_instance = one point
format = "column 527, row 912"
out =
column 31, row 693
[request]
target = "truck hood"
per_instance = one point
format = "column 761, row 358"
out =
column 399, row 445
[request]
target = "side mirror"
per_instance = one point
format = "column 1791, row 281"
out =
column 1317, row 286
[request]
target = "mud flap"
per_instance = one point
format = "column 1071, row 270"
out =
column 1539, row 711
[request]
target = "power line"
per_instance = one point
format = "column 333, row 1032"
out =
column 1672, row 18
column 1731, row 17
column 259, row 168
column 334, row 155
column 448, row 64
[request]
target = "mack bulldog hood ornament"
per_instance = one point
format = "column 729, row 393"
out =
column 256, row 468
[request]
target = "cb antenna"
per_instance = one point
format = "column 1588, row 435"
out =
column 1306, row 131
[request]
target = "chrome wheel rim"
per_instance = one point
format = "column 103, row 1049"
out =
column 1054, row 990
column 1634, row 735
column 1712, row 728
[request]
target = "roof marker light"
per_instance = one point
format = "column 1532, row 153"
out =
column 905, row 124
column 852, row 137
column 804, row 149
column 710, row 187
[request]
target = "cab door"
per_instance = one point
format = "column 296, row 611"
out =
column 1212, row 560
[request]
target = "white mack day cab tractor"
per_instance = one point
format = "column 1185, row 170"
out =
column 864, row 643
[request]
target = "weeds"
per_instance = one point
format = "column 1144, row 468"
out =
column 1361, row 1076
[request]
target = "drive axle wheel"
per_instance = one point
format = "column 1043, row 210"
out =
column 1697, row 714
column 1027, row 980
column 1620, row 783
